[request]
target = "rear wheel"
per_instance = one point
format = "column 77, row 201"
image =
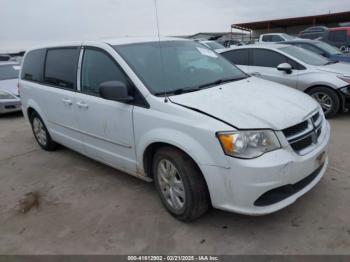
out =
column 41, row 134
column 327, row 98
column 180, row 184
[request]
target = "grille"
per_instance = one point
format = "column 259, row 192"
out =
column 305, row 134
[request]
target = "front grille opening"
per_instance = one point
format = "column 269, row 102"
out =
column 295, row 129
column 278, row 194
column 10, row 107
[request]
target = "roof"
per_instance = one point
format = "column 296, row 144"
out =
column 115, row 41
column 297, row 21
column 8, row 63
column 268, row 46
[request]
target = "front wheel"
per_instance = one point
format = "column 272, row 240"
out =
column 180, row 184
column 327, row 98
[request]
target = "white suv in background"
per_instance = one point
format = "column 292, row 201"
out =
column 275, row 37
column 186, row 118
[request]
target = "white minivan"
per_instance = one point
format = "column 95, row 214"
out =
column 174, row 112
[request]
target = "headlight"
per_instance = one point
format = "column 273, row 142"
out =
column 345, row 79
column 5, row 95
column 248, row 144
column 345, row 90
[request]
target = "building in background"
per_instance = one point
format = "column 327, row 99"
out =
column 293, row 25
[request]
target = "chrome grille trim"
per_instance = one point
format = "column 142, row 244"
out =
column 303, row 137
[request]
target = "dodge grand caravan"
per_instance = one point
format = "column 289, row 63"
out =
column 174, row 112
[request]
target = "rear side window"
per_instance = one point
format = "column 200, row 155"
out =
column 9, row 72
column 337, row 36
column 267, row 38
column 61, row 67
column 33, row 66
column 98, row 67
column 267, row 58
column 238, row 57
column 277, row 38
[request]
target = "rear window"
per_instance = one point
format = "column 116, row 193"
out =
column 238, row 57
column 33, row 66
column 9, row 72
column 61, row 67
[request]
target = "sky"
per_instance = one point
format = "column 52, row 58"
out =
column 24, row 23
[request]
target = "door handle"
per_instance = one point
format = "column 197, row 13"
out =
column 82, row 105
column 255, row 74
column 67, row 101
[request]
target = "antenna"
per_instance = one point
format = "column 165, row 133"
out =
column 160, row 49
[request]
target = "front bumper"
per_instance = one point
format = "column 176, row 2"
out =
column 10, row 105
column 238, row 188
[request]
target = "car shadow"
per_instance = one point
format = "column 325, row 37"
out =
column 11, row 115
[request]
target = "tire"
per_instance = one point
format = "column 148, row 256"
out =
column 327, row 98
column 193, row 191
column 41, row 133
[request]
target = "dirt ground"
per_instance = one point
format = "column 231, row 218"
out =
column 88, row 208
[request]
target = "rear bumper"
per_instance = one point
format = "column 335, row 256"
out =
column 10, row 105
column 249, row 185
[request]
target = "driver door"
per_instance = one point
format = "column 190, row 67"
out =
column 264, row 65
column 106, row 126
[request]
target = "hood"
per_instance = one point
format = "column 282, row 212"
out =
column 9, row 85
column 340, row 68
column 252, row 103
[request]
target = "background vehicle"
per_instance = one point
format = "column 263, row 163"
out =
column 275, row 37
column 339, row 37
column 232, row 43
column 9, row 96
column 326, row 81
column 167, row 116
column 313, row 32
column 321, row 48
column 212, row 44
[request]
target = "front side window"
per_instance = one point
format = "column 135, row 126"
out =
column 328, row 48
column 267, row 58
column 98, row 67
column 61, row 67
column 238, row 57
column 169, row 66
column 9, row 72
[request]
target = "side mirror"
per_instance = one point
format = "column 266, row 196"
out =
column 116, row 91
column 287, row 68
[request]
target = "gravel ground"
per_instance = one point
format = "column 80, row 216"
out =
column 88, row 208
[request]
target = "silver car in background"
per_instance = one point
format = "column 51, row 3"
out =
column 326, row 81
column 9, row 96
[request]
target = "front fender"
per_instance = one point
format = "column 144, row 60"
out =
column 203, row 154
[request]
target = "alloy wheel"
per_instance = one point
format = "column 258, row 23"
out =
column 324, row 100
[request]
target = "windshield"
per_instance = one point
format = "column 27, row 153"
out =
column 328, row 48
column 214, row 45
column 288, row 37
column 305, row 56
column 177, row 65
column 9, row 72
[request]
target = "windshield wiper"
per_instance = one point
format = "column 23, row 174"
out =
column 194, row 89
column 220, row 81
column 331, row 62
column 177, row 91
